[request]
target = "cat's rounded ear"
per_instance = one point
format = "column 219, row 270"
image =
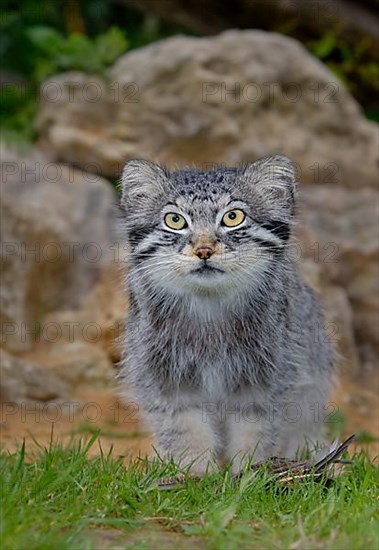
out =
column 143, row 182
column 273, row 179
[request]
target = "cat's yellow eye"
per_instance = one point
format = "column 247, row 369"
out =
column 233, row 218
column 175, row 221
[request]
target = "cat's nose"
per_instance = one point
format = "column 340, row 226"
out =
column 204, row 252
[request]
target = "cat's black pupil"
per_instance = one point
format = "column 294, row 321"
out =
column 175, row 218
column 232, row 215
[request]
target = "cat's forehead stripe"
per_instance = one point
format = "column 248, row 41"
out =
column 197, row 202
column 202, row 183
column 196, row 189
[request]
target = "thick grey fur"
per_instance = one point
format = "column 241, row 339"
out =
column 224, row 365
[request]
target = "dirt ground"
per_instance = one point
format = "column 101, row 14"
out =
column 41, row 423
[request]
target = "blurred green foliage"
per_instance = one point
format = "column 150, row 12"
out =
column 355, row 67
column 39, row 38
column 56, row 52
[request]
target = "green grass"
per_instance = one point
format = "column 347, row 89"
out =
column 61, row 499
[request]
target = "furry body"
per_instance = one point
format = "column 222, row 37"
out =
column 226, row 355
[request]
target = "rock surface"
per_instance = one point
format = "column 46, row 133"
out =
column 225, row 99
column 77, row 363
column 23, row 380
column 339, row 232
column 57, row 229
column 100, row 320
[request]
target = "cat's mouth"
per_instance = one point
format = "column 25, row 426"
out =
column 206, row 269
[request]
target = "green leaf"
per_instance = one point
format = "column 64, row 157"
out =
column 323, row 47
column 46, row 39
column 111, row 45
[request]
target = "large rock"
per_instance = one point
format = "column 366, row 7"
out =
column 226, row 99
column 339, row 232
column 100, row 320
column 53, row 372
column 57, row 233
column 78, row 364
column 23, row 380
column 338, row 314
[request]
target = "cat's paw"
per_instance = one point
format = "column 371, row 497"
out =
column 201, row 466
column 196, row 464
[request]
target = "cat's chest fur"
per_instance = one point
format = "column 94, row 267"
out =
column 215, row 355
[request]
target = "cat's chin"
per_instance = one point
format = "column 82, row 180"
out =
column 206, row 272
column 207, row 282
column 203, row 273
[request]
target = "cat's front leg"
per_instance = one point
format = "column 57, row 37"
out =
column 248, row 436
column 184, row 436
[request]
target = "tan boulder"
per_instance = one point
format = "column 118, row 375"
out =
column 225, row 99
column 24, row 380
column 339, row 232
column 100, row 320
column 57, row 232
column 78, row 363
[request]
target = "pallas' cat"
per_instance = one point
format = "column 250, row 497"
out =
column 225, row 347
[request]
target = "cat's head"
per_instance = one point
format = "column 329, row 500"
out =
column 207, row 233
